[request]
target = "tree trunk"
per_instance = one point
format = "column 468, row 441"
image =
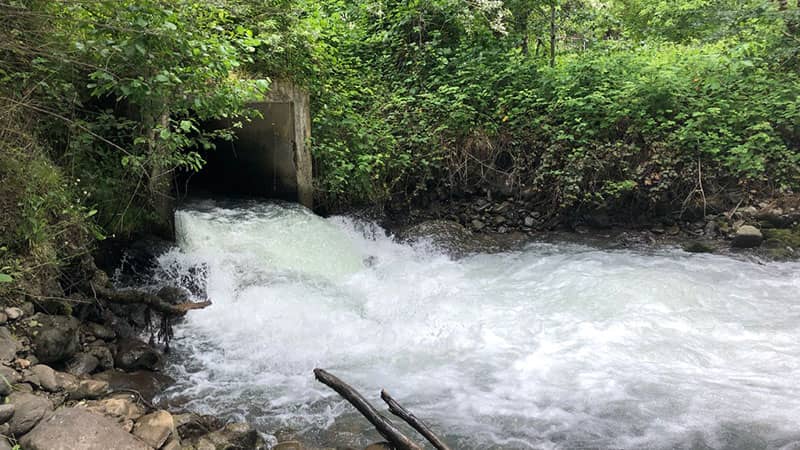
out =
column 552, row 34
column 159, row 181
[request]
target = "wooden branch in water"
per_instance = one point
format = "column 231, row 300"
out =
column 384, row 426
column 150, row 300
column 417, row 424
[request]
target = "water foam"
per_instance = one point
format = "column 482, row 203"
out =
column 555, row 346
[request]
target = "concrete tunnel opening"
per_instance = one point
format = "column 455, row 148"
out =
column 268, row 158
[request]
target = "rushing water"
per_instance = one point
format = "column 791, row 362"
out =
column 551, row 346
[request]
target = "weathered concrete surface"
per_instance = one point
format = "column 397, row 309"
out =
column 269, row 156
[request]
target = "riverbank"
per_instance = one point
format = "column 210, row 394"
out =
column 767, row 229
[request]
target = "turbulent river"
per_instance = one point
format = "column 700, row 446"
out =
column 552, row 346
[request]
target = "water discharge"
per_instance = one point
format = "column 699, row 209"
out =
column 552, row 346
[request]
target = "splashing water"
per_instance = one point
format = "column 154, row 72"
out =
column 553, row 346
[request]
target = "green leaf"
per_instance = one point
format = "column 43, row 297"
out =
column 186, row 125
column 6, row 278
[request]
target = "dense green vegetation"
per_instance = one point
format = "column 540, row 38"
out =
column 654, row 105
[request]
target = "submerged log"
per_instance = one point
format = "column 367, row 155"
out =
column 384, row 426
column 417, row 424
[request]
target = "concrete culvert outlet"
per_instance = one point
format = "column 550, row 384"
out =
column 268, row 158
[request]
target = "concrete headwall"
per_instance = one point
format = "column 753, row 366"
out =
column 270, row 156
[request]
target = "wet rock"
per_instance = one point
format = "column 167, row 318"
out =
column 155, row 428
column 530, row 221
column 77, row 428
column 747, row 236
column 90, row 389
column 148, row 384
column 699, row 247
column 67, row 381
column 477, row 225
column 379, row 446
column 28, row 411
column 100, row 331
column 191, row 426
column 9, row 345
column 54, row 338
column 46, row 377
column 82, row 364
column 133, row 354
column 6, row 411
column 105, row 359
column 121, row 408
column 14, row 313
column 235, row 436
column 8, row 378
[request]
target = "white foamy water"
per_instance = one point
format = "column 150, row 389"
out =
column 554, row 346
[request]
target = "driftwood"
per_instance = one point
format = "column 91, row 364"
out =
column 417, row 424
column 152, row 301
column 384, row 426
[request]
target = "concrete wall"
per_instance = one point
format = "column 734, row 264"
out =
column 282, row 91
column 270, row 157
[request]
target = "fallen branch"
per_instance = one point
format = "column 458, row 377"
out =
column 384, row 426
column 417, row 424
column 130, row 297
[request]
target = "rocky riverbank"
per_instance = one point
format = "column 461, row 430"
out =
column 768, row 229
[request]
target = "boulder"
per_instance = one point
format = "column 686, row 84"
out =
column 28, row 411
column 148, row 384
column 235, row 436
column 155, row 428
column 699, row 247
column 6, row 411
column 77, row 428
column 8, row 378
column 121, row 408
column 105, row 358
column 14, row 313
column 55, row 338
column 747, row 236
column 89, row 389
column 9, row 346
column 133, row 354
column 99, row 331
column 46, row 377
column 192, row 426
column 82, row 364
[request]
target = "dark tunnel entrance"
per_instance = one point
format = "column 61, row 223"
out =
column 268, row 158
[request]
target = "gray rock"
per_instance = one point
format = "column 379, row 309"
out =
column 99, row 331
column 530, row 221
column 67, row 382
column 56, row 338
column 155, row 428
column 77, row 428
column 90, row 389
column 14, row 313
column 9, row 345
column 47, row 377
column 3, row 318
column 121, row 407
column 28, row 411
column 699, row 247
column 4, row 444
column 82, row 364
column 747, row 236
column 8, row 378
column 133, row 354
column 105, row 358
column 233, row 437
column 6, row 411
column 148, row 384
